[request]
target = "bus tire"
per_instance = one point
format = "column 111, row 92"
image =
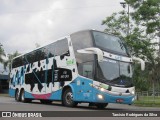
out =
column 23, row 99
column 101, row 105
column 67, row 99
column 17, row 96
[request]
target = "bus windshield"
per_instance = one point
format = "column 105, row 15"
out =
column 108, row 42
column 115, row 73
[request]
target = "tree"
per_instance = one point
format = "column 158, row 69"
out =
column 146, row 13
column 10, row 57
column 2, row 53
column 144, row 25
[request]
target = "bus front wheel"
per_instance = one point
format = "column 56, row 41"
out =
column 101, row 105
column 67, row 99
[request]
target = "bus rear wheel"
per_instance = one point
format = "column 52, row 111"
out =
column 17, row 97
column 67, row 99
column 22, row 97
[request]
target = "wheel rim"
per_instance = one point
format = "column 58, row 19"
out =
column 22, row 96
column 69, row 98
column 17, row 95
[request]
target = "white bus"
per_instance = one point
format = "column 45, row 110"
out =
column 85, row 67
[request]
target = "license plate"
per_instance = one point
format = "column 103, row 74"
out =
column 119, row 100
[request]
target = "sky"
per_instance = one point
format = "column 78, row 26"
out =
column 23, row 23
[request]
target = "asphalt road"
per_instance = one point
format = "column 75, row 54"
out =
column 9, row 104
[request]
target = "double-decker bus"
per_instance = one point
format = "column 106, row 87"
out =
column 85, row 67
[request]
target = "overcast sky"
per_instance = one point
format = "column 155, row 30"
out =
column 23, row 23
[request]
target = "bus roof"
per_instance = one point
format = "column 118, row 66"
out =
column 39, row 47
column 58, row 40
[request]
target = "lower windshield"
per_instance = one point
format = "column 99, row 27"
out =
column 115, row 73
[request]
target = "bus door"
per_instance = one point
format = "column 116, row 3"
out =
column 85, row 90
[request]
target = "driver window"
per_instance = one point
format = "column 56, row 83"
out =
column 86, row 69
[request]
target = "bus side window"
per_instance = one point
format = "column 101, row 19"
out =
column 61, row 47
column 17, row 62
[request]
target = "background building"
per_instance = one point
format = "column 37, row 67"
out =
column 4, row 80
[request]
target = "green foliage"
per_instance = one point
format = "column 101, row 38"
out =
column 144, row 25
column 148, row 101
column 146, row 13
column 117, row 24
column 140, row 78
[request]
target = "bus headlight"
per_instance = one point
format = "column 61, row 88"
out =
column 100, row 96
column 102, row 89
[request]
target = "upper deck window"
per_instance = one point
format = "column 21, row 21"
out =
column 109, row 43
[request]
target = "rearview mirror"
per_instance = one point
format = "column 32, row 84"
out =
column 141, row 61
column 93, row 50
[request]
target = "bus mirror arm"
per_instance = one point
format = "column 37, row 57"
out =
column 93, row 50
column 141, row 61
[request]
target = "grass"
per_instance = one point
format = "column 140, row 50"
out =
column 4, row 95
column 148, row 101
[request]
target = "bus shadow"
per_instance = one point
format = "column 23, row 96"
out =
column 79, row 106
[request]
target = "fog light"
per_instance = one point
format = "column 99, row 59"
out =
column 100, row 96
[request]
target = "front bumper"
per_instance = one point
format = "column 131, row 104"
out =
column 113, row 97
